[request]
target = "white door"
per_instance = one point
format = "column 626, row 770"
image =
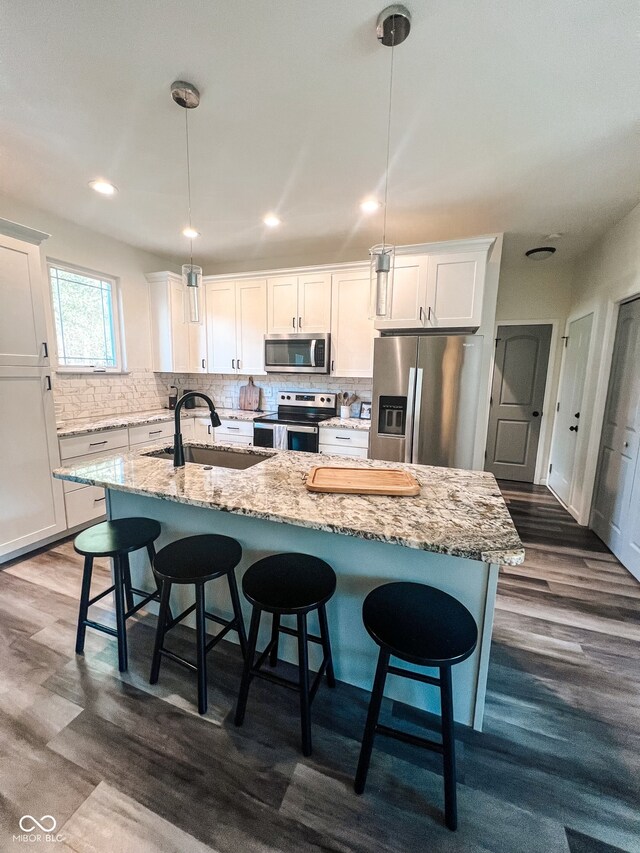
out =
column 282, row 302
column 179, row 330
column 352, row 331
column 612, row 515
column 220, row 301
column 314, row 303
column 251, row 320
column 455, row 286
column 567, row 420
column 407, row 298
column 31, row 501
column 23, row 338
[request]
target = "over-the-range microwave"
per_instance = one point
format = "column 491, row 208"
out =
column 299, row 353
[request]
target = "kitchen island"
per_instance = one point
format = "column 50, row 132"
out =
column 454, row 535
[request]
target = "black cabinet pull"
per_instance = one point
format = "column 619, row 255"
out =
column 233, row 364
column 577, row 415
column 203, row 363
column 46, row 349
column 536, row 414
column 299, row 322
column 421, row 313
column 293, row 322
column 573, row 429
column 154, row 431
column 48, row 378
column 97, row 443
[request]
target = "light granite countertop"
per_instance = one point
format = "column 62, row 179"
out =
column 460, row 513
column 346, row 423
column 150, row 416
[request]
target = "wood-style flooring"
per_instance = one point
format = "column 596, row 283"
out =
column 123, row 766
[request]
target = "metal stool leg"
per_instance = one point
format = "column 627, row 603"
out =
column 84, row 604
column 275, row 636
column 372, row 721
column 241, row 707
column 163, row 618
column 121, row 623
column 237, row 611
column 201, row 643
column 303, row 665
column 326, row 644
column 126, row 576
column 449, row 749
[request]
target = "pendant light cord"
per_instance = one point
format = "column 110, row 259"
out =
column 386, row 179
column 186, row 128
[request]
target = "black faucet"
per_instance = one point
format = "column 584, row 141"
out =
column 178, row 449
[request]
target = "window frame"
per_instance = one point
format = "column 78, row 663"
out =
column 116, row 311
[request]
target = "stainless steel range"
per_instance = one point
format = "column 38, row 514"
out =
column 295, row 425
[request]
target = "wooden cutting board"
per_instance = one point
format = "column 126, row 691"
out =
column 249, row 396
column 362, row 481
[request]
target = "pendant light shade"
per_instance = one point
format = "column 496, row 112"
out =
column 381, row 278
column 192, row 277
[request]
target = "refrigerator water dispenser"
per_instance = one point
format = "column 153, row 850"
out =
column 392, row 415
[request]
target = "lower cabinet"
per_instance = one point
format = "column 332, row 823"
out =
column 344, row 442
column 235, row 432
column 84, row 505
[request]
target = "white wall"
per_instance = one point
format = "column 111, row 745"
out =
column 608, row 273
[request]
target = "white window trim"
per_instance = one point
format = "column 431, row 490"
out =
column 118, row 329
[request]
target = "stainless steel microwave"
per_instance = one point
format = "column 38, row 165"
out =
column 301, row 353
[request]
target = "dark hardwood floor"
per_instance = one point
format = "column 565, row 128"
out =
column 123, row 766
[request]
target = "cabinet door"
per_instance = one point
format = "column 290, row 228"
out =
column 282, row 302
column 197, row 334
column 455, row 285
column 314, row 303
column 179, row 327
column 407, row 299
column 220, row 300
column 251, row 320
column 352, row 331
column 202, row 430
column 31, row 501
column 22, row 324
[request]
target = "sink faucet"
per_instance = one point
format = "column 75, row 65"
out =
column 178, row 449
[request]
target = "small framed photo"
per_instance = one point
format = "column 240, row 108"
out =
column 365, row 411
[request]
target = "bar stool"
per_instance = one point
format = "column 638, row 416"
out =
column 288, row 584
column 428, row 627
column 196, row 560
column 115, row 539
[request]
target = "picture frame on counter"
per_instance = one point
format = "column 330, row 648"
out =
column 364, row 412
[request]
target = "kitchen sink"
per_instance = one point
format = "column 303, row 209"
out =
column 211, row 457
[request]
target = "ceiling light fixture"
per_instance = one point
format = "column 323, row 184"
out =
column 392, row 28
column 370, row 205
column 271, row 220
column 103, row 187
column 187, row 96
column 541, row 253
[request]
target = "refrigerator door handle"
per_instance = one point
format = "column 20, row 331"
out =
column 408, row 431
column 416, row 417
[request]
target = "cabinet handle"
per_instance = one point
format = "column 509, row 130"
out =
column 430, row 312
column 203, row 364
column 48, row 378
column 97, row 500
column 233, row 364
column 343, row 438
column 421, row 313
column 332, row 365
column 299, row 322
column 293, row 322
column 46, row 349
column 239, row 364
column 209, row 429
column 154, row 431
column 573, row 429
column 97, row 443
column 230, row 427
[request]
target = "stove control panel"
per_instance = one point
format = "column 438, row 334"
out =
column 307, row 399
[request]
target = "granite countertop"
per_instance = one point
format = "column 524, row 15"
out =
column 460, row 513
column 150, row 416
column 346, row 423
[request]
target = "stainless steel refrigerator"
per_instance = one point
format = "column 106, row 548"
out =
column 425, row 399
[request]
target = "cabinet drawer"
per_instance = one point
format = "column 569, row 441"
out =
column 360, row 452
column 68, row 485
column 153, row 432
column 346, row 437
column 85, row 504
column 235, row 428
column 231, row 438
column 81, row 445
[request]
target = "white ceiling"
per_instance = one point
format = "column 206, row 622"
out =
column 509, row 115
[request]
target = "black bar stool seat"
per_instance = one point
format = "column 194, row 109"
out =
column 116, row 539
column 288, row 584
column 428, row 627
column 196, row 560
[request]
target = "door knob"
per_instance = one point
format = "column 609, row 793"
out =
column 573, row 429
column 536, row 414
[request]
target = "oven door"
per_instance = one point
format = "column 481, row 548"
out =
column 296, row 353
column 262, row 435
column 303, row 438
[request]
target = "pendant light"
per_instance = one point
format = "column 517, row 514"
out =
column 392, row 29
column 187, row 96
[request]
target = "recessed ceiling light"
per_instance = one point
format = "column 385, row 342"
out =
column 370, row 205
column 103, row 187
column 271, row 220
column 191, row 233
column 541, row 253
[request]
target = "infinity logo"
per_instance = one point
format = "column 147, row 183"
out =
column 47, row 823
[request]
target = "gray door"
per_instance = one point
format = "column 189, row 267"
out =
column 517, row 394
column 614, row 512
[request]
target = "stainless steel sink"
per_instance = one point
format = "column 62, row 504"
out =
column 211, row 457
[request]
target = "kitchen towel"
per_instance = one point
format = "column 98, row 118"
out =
column 280, row 437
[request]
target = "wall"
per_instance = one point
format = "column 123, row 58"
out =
column 608, row 273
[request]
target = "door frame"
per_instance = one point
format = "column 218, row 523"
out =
column 544, row 439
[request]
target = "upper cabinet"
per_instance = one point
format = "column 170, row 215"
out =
column 299, row 304
column 352, row 331
column 442, row 289
column 169, row 323
column 236, row 318
column 23, row 335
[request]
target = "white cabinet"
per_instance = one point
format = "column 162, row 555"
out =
column 23, row 336
column 169, row 323
column 352, row 331
column 344, row 442
column 202, row 429
column 299, row 303
column 407, row 297
column 234, row 432
column 236, row 314
column 197, row 338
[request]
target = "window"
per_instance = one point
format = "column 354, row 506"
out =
column 85, row 312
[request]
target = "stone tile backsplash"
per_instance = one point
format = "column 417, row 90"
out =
column 80, row 396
